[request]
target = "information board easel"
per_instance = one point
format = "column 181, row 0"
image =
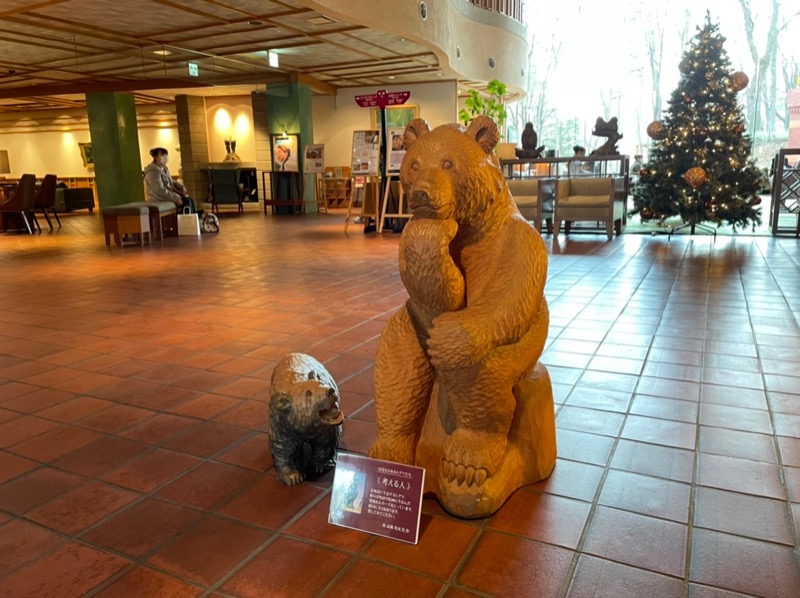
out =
column 368, row 194
column 400, row 201
column 380, row 100
column 365, row 165
column 314, row 164
column 319, row 190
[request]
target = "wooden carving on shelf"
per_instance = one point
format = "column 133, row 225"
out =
column 458, row 386
column 610, row 130
column 530, row 139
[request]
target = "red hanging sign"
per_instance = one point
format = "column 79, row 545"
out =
column 383, row 98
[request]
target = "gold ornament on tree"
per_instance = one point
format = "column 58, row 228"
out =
column 739, row 81
column 654, row 129
column 685, row 66
column 696, row 177
column 646, row 213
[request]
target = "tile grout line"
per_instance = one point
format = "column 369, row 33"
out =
column 793, row 525
column 578, row 550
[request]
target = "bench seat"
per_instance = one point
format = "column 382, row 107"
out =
column 127, row 219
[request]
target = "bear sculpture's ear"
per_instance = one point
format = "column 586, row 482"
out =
column 281, row 402
column 415, row 129
column 312, row 375
column 484, row 130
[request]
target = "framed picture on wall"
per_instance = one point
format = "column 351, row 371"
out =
column 86, row 155
column 397, row 117
column 285, row 156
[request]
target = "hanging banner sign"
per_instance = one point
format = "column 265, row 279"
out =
column 383, row 98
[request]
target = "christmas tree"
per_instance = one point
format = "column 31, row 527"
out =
column 699, row 166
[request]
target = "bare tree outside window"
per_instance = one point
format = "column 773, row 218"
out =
column 620, row 58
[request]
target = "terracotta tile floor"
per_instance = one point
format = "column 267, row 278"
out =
column 134, row 459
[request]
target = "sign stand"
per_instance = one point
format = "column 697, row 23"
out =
column 377, row 497
column 319, row 187
column 401, row 213
column 381, row 99
column 370, row 187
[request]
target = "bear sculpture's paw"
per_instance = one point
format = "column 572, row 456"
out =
column 321, row 467
column 472, row 457
column 452, row 344
column 290, row 477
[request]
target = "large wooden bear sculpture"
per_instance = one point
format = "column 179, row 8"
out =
column 458, row 389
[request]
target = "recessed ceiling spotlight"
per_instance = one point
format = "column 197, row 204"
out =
column 256, row 23
column 162, row 52
column 402, row 39
column 440, row 74
column 390, row 77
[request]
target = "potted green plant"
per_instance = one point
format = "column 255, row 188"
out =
column 494, row 108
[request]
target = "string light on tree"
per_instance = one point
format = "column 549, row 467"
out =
column 699, row 165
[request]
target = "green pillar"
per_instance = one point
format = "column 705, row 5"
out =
column 115, row 148
column 289, row 107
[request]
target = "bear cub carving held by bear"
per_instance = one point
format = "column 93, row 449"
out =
column 458, row 386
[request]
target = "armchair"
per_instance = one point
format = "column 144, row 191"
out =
column 22, row 201
column 45, row 199
column 530, row 196
column 225, row 188
column 588, row 199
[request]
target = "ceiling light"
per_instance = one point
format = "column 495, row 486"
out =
column 162, row 52
column 390, row 77
column 440, row 74
column 272, row 59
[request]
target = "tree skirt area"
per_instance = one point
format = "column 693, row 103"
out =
column 637, row 227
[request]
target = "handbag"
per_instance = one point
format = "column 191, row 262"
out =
column 210, row 223
column 188, row 224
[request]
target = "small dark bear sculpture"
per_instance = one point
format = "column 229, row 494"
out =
column 305, row 422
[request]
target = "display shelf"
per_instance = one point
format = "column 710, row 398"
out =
column 337, row 192
column 337, row 186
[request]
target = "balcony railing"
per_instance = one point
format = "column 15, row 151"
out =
column 510, row 8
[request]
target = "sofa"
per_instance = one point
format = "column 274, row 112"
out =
column 69, row 200
column 531, row 197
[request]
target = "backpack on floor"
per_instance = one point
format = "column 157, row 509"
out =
column 210, row 223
